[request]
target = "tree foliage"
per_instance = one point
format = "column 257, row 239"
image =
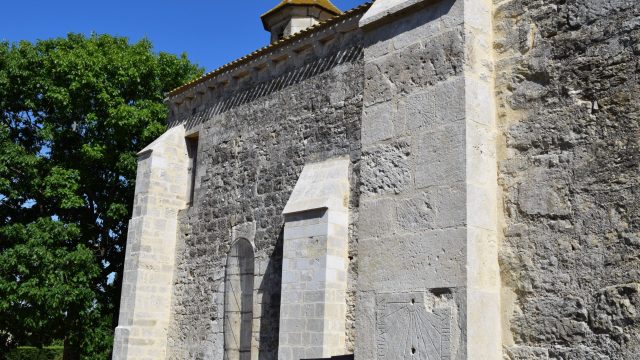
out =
column 73, row 113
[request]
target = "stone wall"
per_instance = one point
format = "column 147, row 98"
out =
column 412, row 194
column 408, row 100
column 428, row 280
column 254, row 140
column 568, row 87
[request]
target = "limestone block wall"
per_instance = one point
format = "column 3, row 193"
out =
column 256, row 133
column 151, row 246
column 428, row 271
column 567, row 85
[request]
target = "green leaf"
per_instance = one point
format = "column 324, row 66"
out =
column 74, row 111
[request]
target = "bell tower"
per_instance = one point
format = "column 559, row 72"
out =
column 291, row 16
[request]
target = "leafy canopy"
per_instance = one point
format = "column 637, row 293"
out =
column 73, row 113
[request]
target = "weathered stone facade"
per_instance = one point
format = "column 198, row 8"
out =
column 469, row 191
column 567, row 84
column 251, row 153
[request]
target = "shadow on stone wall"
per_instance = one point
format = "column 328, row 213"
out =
column 270, row 312
column 240, row 97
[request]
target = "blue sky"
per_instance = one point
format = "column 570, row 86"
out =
column 211, row 32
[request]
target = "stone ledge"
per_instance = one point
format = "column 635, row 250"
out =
column 321, row 185
column 384, row 11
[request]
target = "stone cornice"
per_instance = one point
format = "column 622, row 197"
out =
column 274, row 55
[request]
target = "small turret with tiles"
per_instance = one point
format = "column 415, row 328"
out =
column 292, row 16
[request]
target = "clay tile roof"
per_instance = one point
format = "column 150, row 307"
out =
column 325, row 4
column 245, row 59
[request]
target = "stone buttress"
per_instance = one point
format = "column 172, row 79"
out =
column 161, row 191
column 428, row 285
column 315, row 260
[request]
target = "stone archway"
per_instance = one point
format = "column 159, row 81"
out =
column 238, row 301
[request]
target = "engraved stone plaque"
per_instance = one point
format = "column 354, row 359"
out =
column 408, row 329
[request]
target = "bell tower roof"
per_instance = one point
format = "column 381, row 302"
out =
column 291, row 16
column 323, row 4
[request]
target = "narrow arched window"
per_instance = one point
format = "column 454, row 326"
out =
column 238, row 301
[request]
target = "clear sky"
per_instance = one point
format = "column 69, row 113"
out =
column 211, row 32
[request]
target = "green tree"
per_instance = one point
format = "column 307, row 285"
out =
column 73, row 113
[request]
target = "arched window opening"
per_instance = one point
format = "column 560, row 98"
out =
column 238, row 301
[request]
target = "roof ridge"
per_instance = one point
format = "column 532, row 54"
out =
column 264, row 49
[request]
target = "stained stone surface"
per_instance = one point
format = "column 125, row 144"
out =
column 568, row 86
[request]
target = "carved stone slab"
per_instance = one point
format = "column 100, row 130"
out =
column 408, row 329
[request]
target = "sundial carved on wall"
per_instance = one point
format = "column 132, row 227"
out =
column 408, row 330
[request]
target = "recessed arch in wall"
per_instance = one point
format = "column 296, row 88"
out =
column 238, row 301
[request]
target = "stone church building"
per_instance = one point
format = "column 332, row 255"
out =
column 409, row 179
